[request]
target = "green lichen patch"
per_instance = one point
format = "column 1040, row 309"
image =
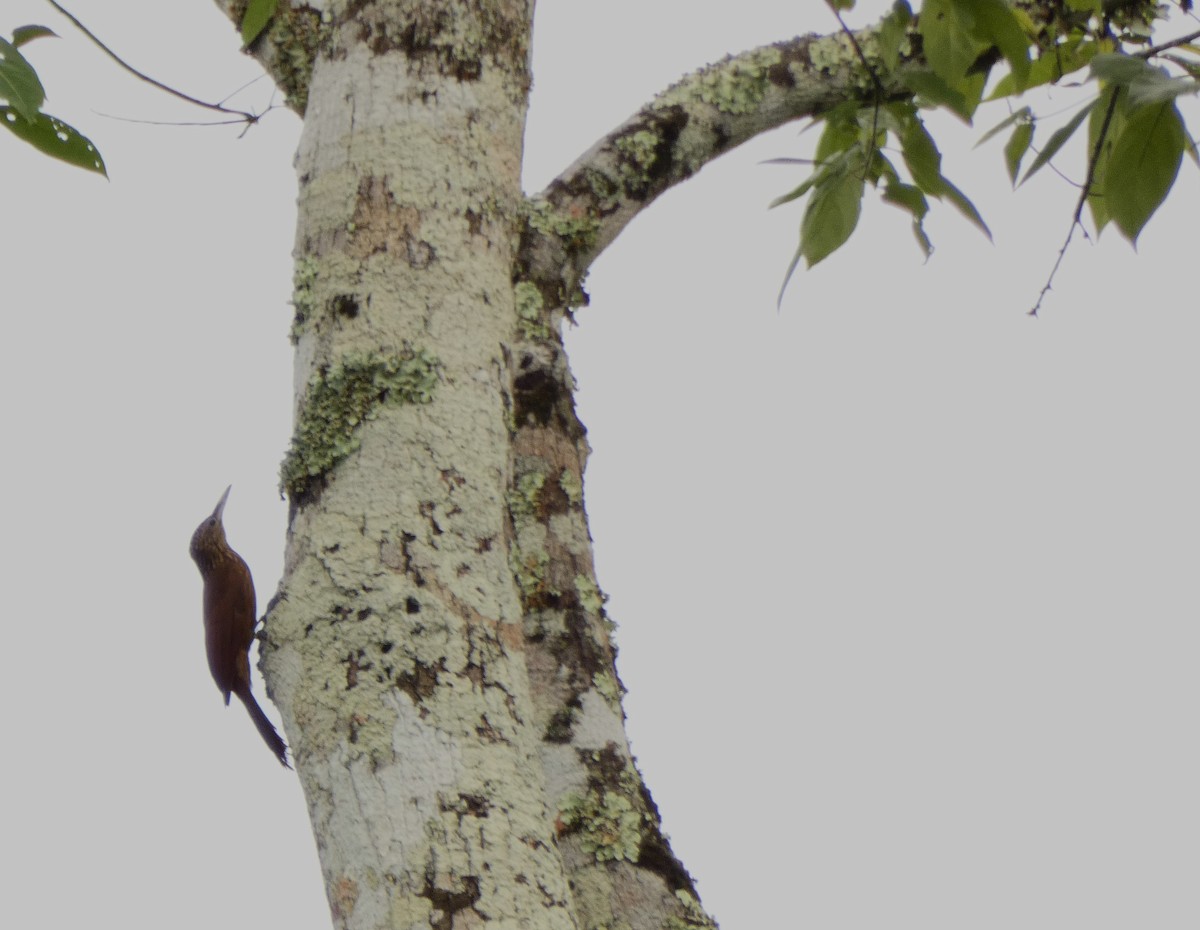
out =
column 339, row 400
column 693, row 916
column 735, row 86
column 524, row 499
column 530, row 305
column 591, row 598
column 639, row 159
column 304, row 300
column 608, row 825
column 604, row 190
column 571, row 486
column 639, row 152
column 610, row 818
column 296, row 34
column 608, row 687
column 836, row 54
column 577, row 232
column 639, row 148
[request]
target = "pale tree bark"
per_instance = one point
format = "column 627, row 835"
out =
column 438, row 648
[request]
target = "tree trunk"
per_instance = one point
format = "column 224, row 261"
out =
column 395, row 645
column 437, row 647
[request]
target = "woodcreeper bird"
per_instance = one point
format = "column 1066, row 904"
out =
column 229, row 620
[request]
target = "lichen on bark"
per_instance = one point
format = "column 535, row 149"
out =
column 340, row 399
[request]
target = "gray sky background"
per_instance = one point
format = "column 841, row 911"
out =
column 905, row 579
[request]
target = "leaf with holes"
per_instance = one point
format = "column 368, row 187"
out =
column 55, row 138
column 19, row 84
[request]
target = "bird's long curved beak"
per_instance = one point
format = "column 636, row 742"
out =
column 221, row 503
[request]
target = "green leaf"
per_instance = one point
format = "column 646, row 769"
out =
column 1143, row 166
column 924, row 163
column 19, row 84
column 840, row 5
column 996, row 24
column 1159, row 87
column 1053, row 65
column 55, row 138
column 258, row 14
column 840, row 134
column 964, row 206
column 1015, row 149
column 23, row 34
column 1120, row 69
column 910, row 198
column 947, row 39
column 831, row 215
column 1057, row 140
column 1022, row 115
column 1109, row 114
column 892, row 30
column 795, row 193
column 933, row 90
column 838, row 141
column 921, row 156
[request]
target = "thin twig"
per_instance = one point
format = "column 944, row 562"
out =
column 1174, row 43
column 1077, row 219
column 1094, row 160
column 880, row 92
column 171, row 122
column 237, row 90
column 243, row 115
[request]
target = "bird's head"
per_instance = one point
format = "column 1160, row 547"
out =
column 209, row 539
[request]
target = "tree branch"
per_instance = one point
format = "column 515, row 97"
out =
column 287, row 48
column 668, row 140
column 241, row 115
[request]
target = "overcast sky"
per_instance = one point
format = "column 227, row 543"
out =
column 905, row 580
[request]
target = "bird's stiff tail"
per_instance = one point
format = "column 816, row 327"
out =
column 264, row 726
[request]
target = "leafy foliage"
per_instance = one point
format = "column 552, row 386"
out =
column 944, row 55
column 22, row 115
